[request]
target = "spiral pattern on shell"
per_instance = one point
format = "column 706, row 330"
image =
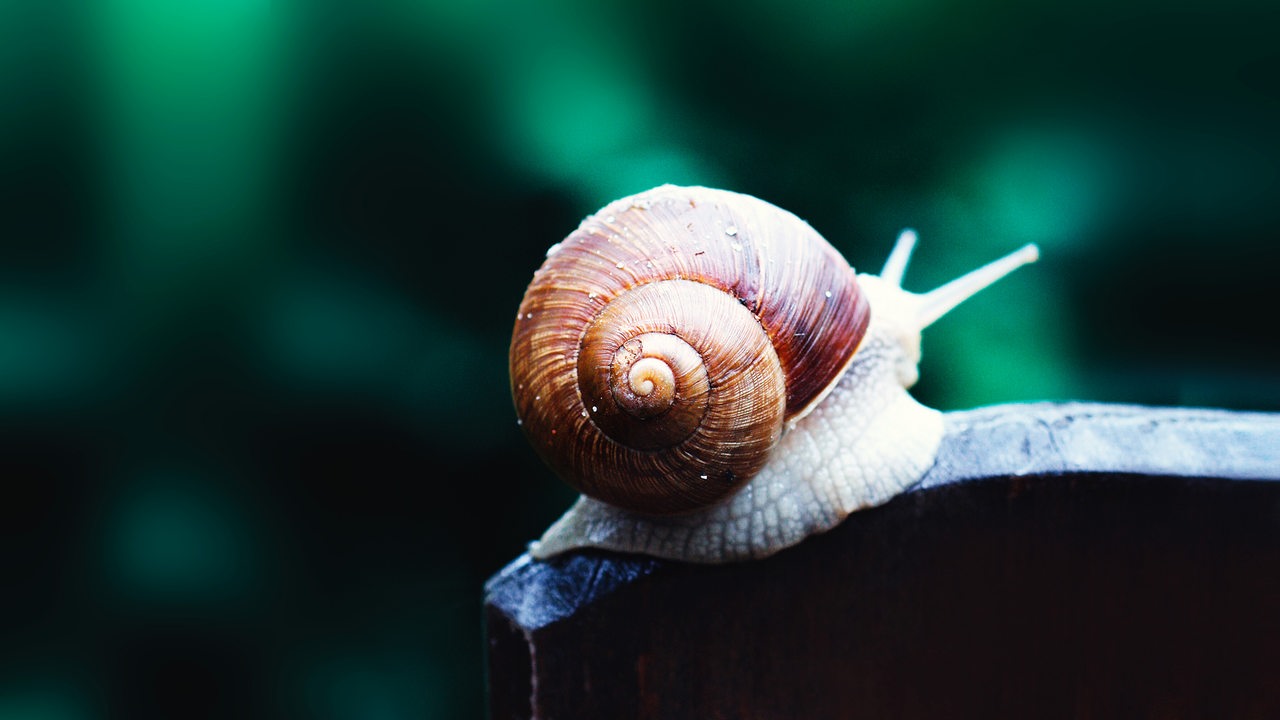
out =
column 662, row 346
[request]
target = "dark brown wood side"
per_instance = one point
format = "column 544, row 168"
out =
column 1059, row 561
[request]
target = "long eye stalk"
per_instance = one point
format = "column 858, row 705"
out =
column 930, row 306
column 940, row 301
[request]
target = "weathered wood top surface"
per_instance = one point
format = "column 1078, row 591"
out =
column 1059, row 560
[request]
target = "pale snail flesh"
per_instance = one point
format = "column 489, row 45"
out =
column 717, row 381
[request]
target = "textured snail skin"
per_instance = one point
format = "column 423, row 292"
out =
column 867, row 441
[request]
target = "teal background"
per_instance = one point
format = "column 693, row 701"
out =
column 259, row 262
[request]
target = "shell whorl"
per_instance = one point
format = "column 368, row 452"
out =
column 662, row 346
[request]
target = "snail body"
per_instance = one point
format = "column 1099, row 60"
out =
column 717, row 381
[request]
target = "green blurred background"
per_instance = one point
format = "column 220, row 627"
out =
column 260, row 261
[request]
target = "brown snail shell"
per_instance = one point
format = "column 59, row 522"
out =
column 663, row 346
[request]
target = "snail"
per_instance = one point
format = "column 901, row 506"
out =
column 715, row 379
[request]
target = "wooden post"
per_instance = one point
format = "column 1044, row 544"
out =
column 1059, row 561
